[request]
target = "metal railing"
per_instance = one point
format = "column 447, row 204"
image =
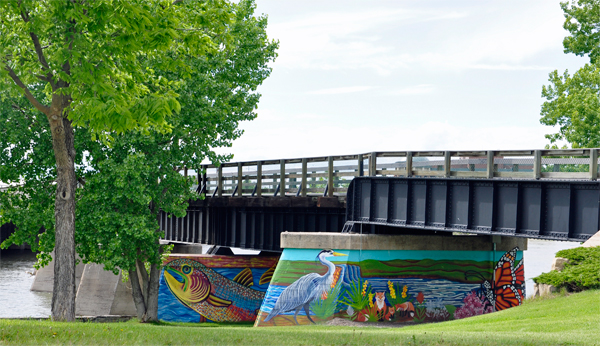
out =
column 331, row 175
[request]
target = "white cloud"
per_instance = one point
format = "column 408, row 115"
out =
column 397, row 37
column 506, row 67
column 414, row 90
column 306, row 139
column 348, row 40
column 342, row 90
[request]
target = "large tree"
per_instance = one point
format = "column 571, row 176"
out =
column 125, row 182
column 572, row 101
column 86, row 64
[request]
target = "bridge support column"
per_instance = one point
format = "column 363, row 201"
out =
column 392, row 278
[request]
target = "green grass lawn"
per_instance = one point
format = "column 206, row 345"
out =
column 563, row 320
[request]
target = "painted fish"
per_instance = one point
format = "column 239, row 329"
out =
column 212, row 295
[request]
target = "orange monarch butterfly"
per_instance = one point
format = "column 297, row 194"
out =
column 507, row 288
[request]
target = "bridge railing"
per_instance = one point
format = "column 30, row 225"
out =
column 331, row 175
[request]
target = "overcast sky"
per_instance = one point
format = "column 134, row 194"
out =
column 361, row 76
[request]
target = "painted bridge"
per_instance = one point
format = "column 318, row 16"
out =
column 545, row 194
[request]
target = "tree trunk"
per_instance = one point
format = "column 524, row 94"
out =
column 144, row 276
column 138, row 297
column 153, row 287
column 63, row 294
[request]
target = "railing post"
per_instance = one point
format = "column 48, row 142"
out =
column 282, row 177
column 204, row 176
column 373, row 164
column 409, row 162
column 304, row 177
column 537, row 164
column 490, row 164
column 361, row 165
column 199, row 178
column 258, row 178
column 220, row 181
column 330, row 176
column 593, row 164
column 240, row 182
column 447, row 164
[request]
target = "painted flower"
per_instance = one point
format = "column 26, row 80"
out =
column 392, row 291
column 404, row 291
column 473, row 306
column 420, row 297
column 371, row 300
column 364, row 291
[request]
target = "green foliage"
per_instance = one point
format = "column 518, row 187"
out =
column 580, row 273
column 572, row 101
column 581, row 20
column 135, row 177
column 108, row 55
column 191, row 77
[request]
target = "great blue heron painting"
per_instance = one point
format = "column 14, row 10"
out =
column 303, row 291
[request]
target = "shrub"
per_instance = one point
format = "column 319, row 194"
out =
column 580, row 273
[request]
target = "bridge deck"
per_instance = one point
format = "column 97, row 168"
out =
column 556, row 210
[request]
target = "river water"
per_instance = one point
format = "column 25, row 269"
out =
column 16, row 266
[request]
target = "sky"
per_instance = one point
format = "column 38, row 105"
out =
column 360, row 76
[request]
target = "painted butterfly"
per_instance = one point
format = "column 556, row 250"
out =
column 507, row 288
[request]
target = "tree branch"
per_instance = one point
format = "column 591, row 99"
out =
column 38, row 47
column 39, row 106
column 39, row 51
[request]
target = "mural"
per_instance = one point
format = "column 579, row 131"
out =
column 311, row 286
column 210, row 288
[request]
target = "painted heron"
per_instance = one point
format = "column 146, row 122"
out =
column 303, row 291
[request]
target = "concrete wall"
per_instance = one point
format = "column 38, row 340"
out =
column 385, row 278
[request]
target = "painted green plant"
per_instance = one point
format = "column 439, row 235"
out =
column 357, row 295
column 397, row 294
column 324, row 308
column 420, row 309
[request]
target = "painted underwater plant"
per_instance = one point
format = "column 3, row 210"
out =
column 212, row 295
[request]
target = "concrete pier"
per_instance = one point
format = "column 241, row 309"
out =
column 392, row 278
column 353, row 241
column 99, row 292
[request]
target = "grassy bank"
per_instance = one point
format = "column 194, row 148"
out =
column 565, row 320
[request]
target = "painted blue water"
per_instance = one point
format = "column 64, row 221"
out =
column 171, row 309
